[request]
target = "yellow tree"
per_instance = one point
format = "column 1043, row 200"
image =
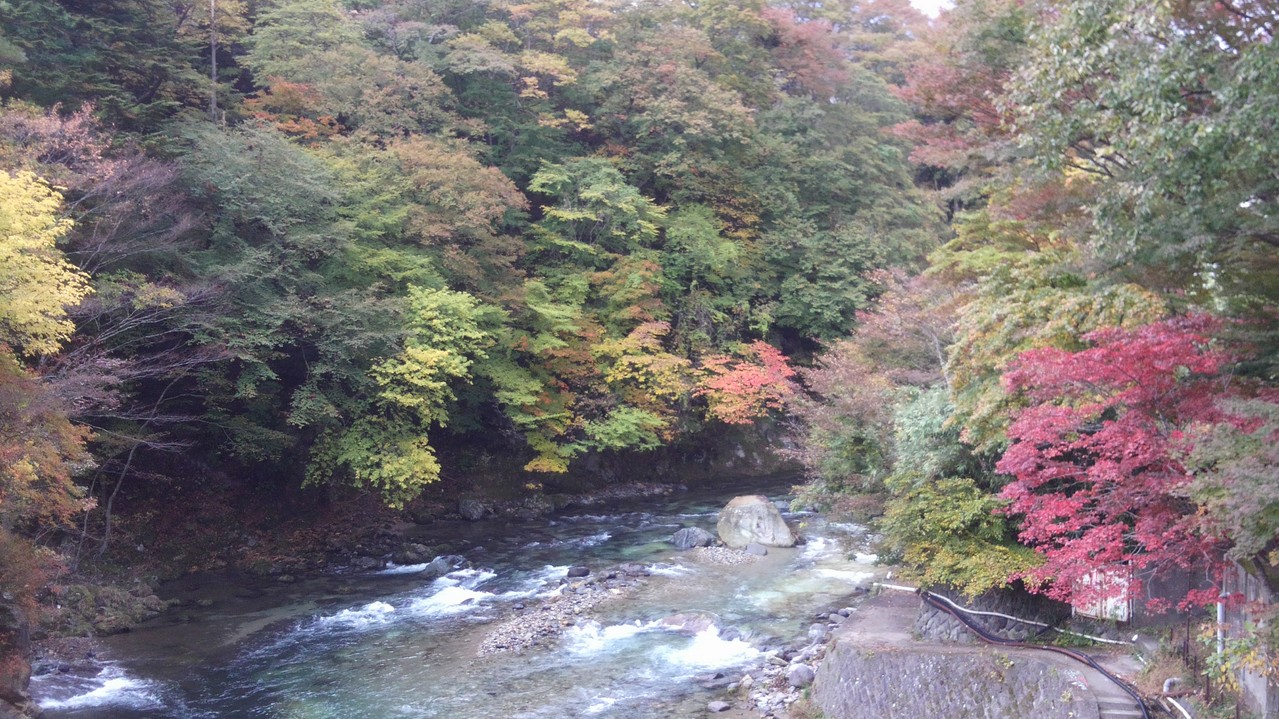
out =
column 37, row 284
column 39, row 448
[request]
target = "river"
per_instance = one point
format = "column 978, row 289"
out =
column 390, row 643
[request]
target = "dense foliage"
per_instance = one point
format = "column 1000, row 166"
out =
column 349, row 244
column 1014, row 271
column 1100, row 409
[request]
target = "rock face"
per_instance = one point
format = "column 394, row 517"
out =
column 753, row 519
column 690, row 537
column 15, row 671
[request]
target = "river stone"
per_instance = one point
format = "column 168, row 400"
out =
column 411, row 553
column 690, row 537
column 800, row 676
column 579, row 571
column 716, row 707
column 752, row 518
column 471, row 509
column 690, row 622
column 756, row 549
column 440, row 566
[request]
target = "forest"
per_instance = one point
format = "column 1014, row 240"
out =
column 1006, row 280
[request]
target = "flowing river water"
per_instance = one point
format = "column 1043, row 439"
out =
column 393, row 643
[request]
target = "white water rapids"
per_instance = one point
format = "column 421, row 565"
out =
column 390, row 643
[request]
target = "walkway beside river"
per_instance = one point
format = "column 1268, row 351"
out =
column 876, row 668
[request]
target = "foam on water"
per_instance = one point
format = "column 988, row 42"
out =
column 600, row 705
column 591, row 637
column 470, row 578
column 668, row 570
column 706, row 650
column 111, row 687
column 370, row 614
column 863, row 558
column 403, row 569
column 592, row 540
column 847, row 575
column 549, row 574
column 449, row 600
column 818, row 547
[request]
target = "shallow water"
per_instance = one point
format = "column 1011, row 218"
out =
column 389, row 643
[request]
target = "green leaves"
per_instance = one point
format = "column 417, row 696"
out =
column 949, row 531
column 596, row 206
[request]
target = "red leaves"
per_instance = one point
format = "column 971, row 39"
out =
column 1096, row 458
column 739, row 391
column 808, row 52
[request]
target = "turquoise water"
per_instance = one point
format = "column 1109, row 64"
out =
column 390, row 643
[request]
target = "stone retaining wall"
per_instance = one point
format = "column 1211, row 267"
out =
column 863, row 683
column 935, row 625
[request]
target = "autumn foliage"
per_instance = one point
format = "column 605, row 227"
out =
column 741, row 389
column 1096, row 459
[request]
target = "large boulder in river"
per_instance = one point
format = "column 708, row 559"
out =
column 471, row 510
column 753, row 519
column 690, row 537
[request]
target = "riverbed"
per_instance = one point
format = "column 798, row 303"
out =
column 393, row 642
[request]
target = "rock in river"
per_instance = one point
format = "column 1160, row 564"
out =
column 753, row 519
column 471, row 509
column 690, row 623
column 690, row 537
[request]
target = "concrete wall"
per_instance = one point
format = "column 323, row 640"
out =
column 894, row 683
column 1260, row 695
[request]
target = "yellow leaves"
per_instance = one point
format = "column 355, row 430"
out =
column 417, row 380
column 544, row 63
column 532, row 90
column 639, row 368
column 575, row 36
column 40, row 451
column 497, row 33
column 381, row 454
column 37, row 284
column 580, row 120
column 453, row 194
column 551, row 457
column 576, row 119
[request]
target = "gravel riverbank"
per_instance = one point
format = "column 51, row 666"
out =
column 540, row 623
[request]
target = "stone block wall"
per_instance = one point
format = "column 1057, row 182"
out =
column 860, row 683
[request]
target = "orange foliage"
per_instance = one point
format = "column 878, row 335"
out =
column 290, row 106
column 740, row 390
column 39, row 451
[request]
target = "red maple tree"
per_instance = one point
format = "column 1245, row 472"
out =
column 740, row 390
column 1096, row 458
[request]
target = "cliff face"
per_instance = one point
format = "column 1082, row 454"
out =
column 857, row 682
column 15, row 666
